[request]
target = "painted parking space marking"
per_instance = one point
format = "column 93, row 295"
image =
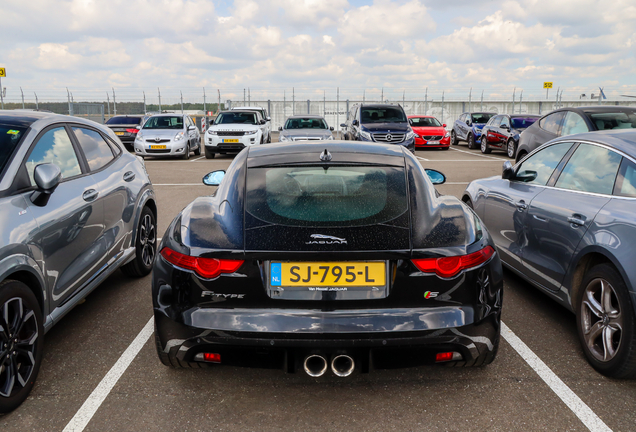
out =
column 578, row 407
column 421, row 158
column 97, row 397
column 478, row 154
column 194, row 160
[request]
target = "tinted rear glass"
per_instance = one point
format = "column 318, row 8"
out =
column 613, row 120
column 124, row 120
column 522, row 122
column 481, row 117
column 10, row 137
column 319, row 196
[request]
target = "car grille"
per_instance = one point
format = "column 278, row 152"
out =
column 158, row 151
column 152, row 140
column 432, row 137
column 389, row 137
column 230, row 133
column 306, row 139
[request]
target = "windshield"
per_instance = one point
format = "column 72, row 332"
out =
column 319, row 196
column 124, row 120
column 382, row 115
column 306, row 123
column 234, row 118
column 522, row 122
column 164, row 122
column 9, row 139
column 481, row 117
column 424, row 122
column 615, row 120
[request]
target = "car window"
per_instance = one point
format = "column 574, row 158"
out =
column 613, row 120
column 317, row 196
column 124, row 120
column 305, row 123
column 54, row 147
column 505, row 121
column 522, row 122
column 552, row 122
column 590, row 169
column 382, row 115
column 248, row 118
column 573, row 123
column 97, row 151
column 538, row 168
column 10, row 137
column 626, row 181
column 462, row 117
column 481, row 117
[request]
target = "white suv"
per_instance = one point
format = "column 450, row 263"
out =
column 234, row 130
column 263, row 112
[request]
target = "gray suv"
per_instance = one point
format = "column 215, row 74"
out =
column 74, row 208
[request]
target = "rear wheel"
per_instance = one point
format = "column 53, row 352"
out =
column 145, row 246
column 606, row 324
column 197, row 151
column 453, row 138
column 471, row 141
column 209, row 154
column 21, row 343
column 511, row 148
column 186, row 155
column 484, row 145
column 468, row 202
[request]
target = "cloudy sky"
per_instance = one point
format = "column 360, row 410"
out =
column 316, row 46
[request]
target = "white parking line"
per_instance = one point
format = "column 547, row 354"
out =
column 421, row 158
column 194, row 160
column 94, row 401
column 478, row 154
column 578, row 407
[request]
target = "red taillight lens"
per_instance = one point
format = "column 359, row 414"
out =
column 212, row 357
column 443, row 357
column 132, row 131
column 448, row 267
column 207, row 268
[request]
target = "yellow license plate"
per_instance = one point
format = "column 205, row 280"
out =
column 332, row 274
column 119, row 133
column 231, row 140
column 157, row 147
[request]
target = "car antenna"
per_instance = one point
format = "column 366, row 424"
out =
column 325, row 156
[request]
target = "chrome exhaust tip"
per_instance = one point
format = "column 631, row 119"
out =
column 342, row 365
column 315, row 365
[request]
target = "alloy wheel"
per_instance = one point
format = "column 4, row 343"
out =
column 148, row 240
column 601, row 320
column 18, row 337
column 511, row 148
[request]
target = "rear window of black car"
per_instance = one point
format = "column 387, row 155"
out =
column 326, row 196
column 10, row 137
column 124, row 120
column 613, row 120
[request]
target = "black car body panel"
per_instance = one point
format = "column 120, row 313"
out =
column 249, row 322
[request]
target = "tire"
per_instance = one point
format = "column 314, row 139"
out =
column 606, row 323
column 269, row 138
column 145, row 246
column 170, row 360
column 186, row 155
column 24, row 310
column 471, row 141
column 484, row 145
column 197, row 151
column 453, row 138
column 445, row 148
column 511, row 148
column 209, row 154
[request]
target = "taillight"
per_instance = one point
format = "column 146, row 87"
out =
column 207, row 268
column 448, row 267
column 132, row 131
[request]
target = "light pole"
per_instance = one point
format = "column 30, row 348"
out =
column 22, row 97
column 114, row 102
column 37, row 106
column 159, row 93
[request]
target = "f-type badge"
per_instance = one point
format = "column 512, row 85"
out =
column 326, row 239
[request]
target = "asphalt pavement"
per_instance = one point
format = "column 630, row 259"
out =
column 101, row 373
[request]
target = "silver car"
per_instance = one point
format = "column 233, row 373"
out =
column 75, row 207
column 305, row 127
column 168, row 135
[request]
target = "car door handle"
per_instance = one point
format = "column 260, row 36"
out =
column 129, row 176
column 521, row 205
column 576, row 220
column 90, row 195
column 540, row 219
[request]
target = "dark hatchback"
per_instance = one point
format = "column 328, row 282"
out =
column 569, row 121
column 381, row 123
column 563, row 219
column 502, row 132
column 334, row 254
column 126, row 127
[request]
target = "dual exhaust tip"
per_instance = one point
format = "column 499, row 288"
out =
column 316, row 365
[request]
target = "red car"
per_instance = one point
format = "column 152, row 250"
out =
column 429, row 132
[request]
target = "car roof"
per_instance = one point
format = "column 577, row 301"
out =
column 23, row 118
column 300, row 116
column 246, row 108
column 621, row 139
column 335, row 146
column 420, row 115
column 167, row 115
column 379, row 105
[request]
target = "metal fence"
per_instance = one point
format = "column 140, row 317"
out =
column 91, row 111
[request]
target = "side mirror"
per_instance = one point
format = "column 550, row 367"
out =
column 214, row 178
column 411, row 122
column 444, row 125
column 435, row 176
column 191, row 128
column 280, row 128
column 47, row 177
column 263, row 121
column 468, row 122
column 344, row 125
column 268, row 118
column 331, row 128
column 505, row 127
column 355, row 122
column 507, row 173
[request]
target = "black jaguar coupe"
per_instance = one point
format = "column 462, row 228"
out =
column 335, row 256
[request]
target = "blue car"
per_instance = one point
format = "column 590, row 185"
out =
column 468, row 128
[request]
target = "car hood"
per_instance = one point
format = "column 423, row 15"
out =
column 386, row 127
column 306, row 133
column 233, row 127
column 161, row 133
column 429, row 130
column 479, row 126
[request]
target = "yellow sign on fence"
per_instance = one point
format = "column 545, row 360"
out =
column 3, row 72
column 547, row 85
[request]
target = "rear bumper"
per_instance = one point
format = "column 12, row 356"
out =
column 225, row 148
